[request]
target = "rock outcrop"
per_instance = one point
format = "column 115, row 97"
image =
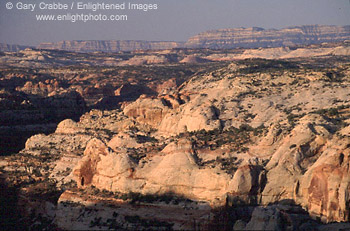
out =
column 147, row 111
column 312, row 168
column 174, row 170
column 324, row 189
column 40, row 88
column 170, row 116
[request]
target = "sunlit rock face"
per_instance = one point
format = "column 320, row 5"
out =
column 173, row 170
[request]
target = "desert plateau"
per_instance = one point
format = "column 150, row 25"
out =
column 234, row 129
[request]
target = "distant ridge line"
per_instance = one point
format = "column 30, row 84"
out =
column 252, row 37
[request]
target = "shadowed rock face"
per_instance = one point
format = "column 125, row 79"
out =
column 23, row 115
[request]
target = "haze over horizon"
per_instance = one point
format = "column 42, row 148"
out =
column 172, row 21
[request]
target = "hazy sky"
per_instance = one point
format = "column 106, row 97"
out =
column 174, row 20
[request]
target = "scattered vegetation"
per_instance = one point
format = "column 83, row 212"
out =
column 233, row 138
column 337, row 115
column 151, row 198
column 149, row 223
column 266, row 66
column 292, row 118
column 134, row 197
column 334, row 76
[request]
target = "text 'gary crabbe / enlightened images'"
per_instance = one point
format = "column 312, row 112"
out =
column 76, row 11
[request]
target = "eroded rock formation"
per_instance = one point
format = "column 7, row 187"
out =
column 264, row 144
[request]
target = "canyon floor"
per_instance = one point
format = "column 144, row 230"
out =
column 178, row 139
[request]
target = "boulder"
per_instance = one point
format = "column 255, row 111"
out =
column 68, row 126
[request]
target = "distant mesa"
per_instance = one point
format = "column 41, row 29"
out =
column 258, row 37
column 253, row 37
column 109, row 45
column 12, row 48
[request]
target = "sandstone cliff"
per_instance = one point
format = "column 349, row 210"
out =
column 258, row 37
column 219, row 39
column 108, row 45
column 254, row 37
